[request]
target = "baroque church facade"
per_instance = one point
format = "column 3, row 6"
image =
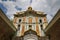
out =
column 27, row 26
column 30, row 25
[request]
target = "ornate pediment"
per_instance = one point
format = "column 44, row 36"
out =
column 29, row 12
column 30, row 31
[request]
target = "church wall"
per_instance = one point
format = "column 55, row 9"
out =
column 30, row 20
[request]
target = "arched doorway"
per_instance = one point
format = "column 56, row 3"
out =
column 30, row 35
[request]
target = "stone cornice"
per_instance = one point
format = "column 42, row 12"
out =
column 27, row 13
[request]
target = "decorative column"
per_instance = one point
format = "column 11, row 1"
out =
column 37, row 27
column 23, row 26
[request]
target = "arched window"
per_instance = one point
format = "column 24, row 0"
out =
column 19, row 20
column 41, row 27
column 40, row 20
column 30, row 26
column 18, row 27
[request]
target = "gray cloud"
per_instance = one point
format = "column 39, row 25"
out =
column 50, row 7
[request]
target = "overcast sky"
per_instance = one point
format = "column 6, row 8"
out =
column 49, row 7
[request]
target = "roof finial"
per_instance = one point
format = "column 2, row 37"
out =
column 29, row 8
